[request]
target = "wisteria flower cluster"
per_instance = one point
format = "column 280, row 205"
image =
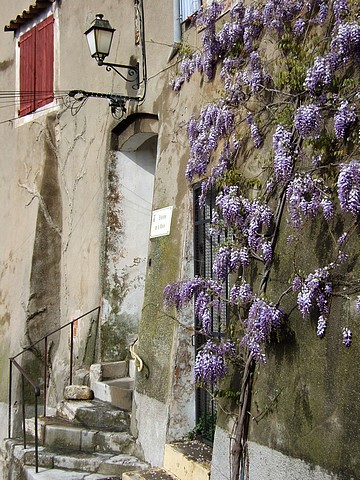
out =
column 241, row 294
column 307, row 121
column 345, row 116
column 263, row 319
column 215, row 122
column 306, row 196
column 315, row 290
column 180, row 293
column 248, row 220
column 349, row 187
column 283, row 153
column 211, row 362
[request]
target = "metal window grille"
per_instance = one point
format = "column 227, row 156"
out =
column 204, row 251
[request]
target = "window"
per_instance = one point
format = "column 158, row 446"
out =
column 37, row 66
column 205, row 247
column 188, row 7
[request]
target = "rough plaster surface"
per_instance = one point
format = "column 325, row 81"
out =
column 220, row 469
column 267, row 464
column 151, row 418
column 264, row 463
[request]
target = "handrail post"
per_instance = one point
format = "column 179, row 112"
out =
column 45, row 373
column 10, row 399
column 71, row 350
column 36, row 435
column 23, row 409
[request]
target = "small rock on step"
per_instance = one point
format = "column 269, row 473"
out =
column 78, row 392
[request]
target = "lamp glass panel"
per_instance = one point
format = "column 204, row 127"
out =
column 90, row 36
column 103, row 41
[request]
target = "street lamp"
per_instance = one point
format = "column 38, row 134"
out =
column 99, row 37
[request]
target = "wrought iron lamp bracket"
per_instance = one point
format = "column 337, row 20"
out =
column 132, row 70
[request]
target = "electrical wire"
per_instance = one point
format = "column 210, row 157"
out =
column 13, row 99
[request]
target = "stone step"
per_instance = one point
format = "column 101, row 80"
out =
column 67, row 436
column 106, row 464
column 99, row 463
column 188, row 460
column 94, row 413
column 115, row 370
column 111, row 370
column 56, row 474
column 150, row 474
column 117, row 392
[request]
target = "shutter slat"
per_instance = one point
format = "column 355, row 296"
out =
column 44, row 66
column 27, row 72
column 188, row 7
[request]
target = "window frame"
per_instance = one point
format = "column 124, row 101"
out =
column 26, row 111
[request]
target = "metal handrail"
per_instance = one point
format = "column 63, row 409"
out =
column 36, row 388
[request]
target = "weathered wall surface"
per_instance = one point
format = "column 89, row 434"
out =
column 309, row 384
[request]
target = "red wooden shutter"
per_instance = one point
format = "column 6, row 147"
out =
column 44, row 63
column 27, row 72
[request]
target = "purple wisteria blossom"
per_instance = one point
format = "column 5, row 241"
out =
column 255, row 132
column 216, row 121
column 299, row 27
column 253, row 24
column 255, row 76
column 242, row 294
column 345, row 116
column 202, row 310
column 187, row 67
column 276, row 13
column 347, row 336
column 346, row 42
column 227, row 260
column 180, row 293
column 306, row 196
column 340, row 9
column 210, row 364
column 263, row 319
column 283, row 157
column 297, row 283
column 349, row 187
column 307, row 121
column 321, row 326
column 315, row 291
column 248, row 217
column 177, row 83
column 358, row 304
column 321, row 73
column 323, row 12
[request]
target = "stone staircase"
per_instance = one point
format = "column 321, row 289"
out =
column 89, row 438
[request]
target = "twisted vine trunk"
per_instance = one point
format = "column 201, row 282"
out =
column 239, row 440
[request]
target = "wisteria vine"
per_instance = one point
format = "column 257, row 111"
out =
column 290, row 72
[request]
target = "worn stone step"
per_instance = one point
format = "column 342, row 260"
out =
column 57, row 474
column 110, row 370
column 105, row 464
column 117, row 392
column 188, row 460
column 149, row 474
column 88, row 440
column 95, row 413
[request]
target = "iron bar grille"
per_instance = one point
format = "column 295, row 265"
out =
column 205, row 247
